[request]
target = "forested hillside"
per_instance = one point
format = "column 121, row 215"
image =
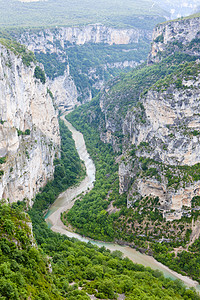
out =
column 65, row 12
column 60, row 268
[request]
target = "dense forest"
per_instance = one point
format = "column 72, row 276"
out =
column 62, row 268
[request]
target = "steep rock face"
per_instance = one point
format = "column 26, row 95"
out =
column 170, row 120
column 165, row 134
column 29, row 130
column 159, row 129
column 79, row 83
column 182, row 35
column 64, row 91
column 45, row 40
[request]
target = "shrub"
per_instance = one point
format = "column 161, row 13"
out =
column 39, row 74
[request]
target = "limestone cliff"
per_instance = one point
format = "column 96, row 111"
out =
column 29, row 130
column 166, row 144
column 175, row 36
column 157, row 121
column 45, row 40
column 64, row 91
column 74, row 76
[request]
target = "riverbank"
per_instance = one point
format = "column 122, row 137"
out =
column 66, row 200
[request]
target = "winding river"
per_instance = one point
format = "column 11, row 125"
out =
column 66, row 200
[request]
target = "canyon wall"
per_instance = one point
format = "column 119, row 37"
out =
column 78, row 82
column 48, row 39
column 167, row 139
column 160, row 128
column 175, row 36
column 29, row 130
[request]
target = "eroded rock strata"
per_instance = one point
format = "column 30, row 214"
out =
column 29, row 130
column 160, row 133
column 73, row 87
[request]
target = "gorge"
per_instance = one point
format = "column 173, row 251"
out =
column 104, row 52
column 120, row 172
column 66, row 200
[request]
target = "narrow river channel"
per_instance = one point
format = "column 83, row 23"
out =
column 66, row 200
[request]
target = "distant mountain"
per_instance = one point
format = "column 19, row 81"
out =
column 179, row 8
column 61, row 12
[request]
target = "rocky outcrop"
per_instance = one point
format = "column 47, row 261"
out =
column 159, row 128
column 50, row 40
column 165, row 130
column 170, row 126
column 180, row 36
column 29, row 130
column 64, row 91
column 79, row 83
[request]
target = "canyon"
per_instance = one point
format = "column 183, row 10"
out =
column 78, row 81
column 102, row 143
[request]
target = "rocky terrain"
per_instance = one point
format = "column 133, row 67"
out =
column 45, row 40
column 160, row 130
column 29, row 130
column 175, row 36
column 74, row 82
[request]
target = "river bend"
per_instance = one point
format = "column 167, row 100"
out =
column 66, row 200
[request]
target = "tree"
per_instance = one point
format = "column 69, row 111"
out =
column 39, row 74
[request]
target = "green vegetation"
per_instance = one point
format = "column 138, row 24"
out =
column 196, row 201
column 90, row 214
column 186, row 262
column 23, row 267
column 50, row 93
column 82, row 58
column 95, row 213
column 61, row 268
column 39, row 74
column 26, row 132
column 77, row 269
column 125, row 91
column 65, row 12
column 69, row 170
column 142, row 222
column 3, row 160
column 185, row 71
column 197, row 15
column 176, row 47
column 19, row 50
column 176, row 176
column 159, row 39
column 91, row 63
